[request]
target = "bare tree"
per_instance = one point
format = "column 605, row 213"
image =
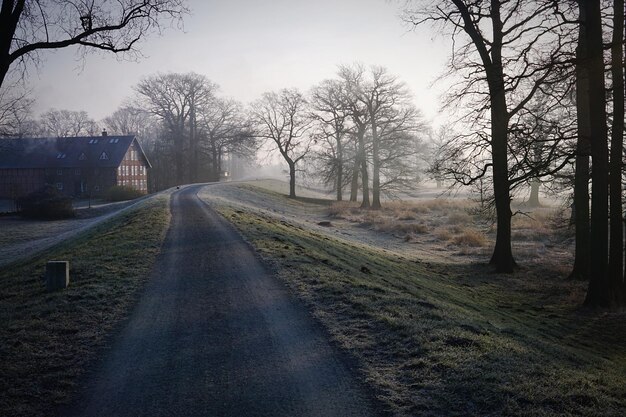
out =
column 28, row 27
column 330, row 113
column 176, row 99
column 283, row 118
column 15, row 111
column 616, row 236
column 352, row 77
column 128, row 120
column 224, row 130
column 400, row 149
column 66, row 123
column 383, row 96
column 605, row 283
column 508, row 52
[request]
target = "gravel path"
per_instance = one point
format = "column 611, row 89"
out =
column 214, row 334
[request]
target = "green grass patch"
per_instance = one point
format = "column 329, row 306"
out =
column 446, row 340
column 47, row 339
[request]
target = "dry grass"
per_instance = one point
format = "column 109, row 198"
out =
column 446, row 340
column 470, row 237
column 49, row 338
column 458, row 224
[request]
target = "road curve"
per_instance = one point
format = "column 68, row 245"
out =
column 214, row 334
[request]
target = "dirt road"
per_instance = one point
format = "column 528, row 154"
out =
column 214, row 334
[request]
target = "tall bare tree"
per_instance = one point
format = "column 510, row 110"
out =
column 352, row 77
column 382, row 95
column 175, row 99
column 28, row 27
column 330, row 113
column 224, row 130
column 582, row 252
column 508, row 51
column 616, row 236
column 283, row 118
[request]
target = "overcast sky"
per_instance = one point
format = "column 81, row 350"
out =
column 252, row 46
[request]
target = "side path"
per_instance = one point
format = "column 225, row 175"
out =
column 215, row 335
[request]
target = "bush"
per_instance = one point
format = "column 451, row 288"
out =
column 121, row 193
column 47, row 203
column 470, row 237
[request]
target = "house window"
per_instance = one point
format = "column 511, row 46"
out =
column 59, row 186
column 114, row 140
column 77, row 171
column 93, row 141
column 82, row 157
column 61, row 155
column 104, row 155
column 59, row 172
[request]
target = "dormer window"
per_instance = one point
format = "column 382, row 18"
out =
column 104, row 155
column 93, row 141
column 114, row 140
column 82, row 157
column 61, row 155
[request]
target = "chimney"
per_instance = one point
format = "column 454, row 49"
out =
column 104, row 132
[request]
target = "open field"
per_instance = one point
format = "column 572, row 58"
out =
column 435, row 332
column 23, row 238
column 49, row 338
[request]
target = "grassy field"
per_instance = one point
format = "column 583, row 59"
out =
column 47, row 340
column 451, row 339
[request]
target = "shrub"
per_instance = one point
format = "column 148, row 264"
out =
column 470, row 237
column 121, row 193
column 459, row 218
column 46, row 203
column 339, row 209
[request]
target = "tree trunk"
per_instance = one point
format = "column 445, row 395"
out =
column 365, row 203
column 4, row 69
column 292, row 179
column 533, row 200
column 215, row 173
column 582, row 252
column 375, row 167
column 193, row 148
column 598, row 294
column 339, row 170
column 354, row 186
column 180, row 158
column 616, row 236
column 219, row 163
column 502, row 256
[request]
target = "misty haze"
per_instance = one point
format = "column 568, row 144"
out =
column 330, row 208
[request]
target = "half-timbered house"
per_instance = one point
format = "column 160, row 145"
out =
column 76, row 166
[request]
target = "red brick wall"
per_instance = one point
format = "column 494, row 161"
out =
column 132, row 171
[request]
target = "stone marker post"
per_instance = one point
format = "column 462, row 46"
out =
column 57, row 275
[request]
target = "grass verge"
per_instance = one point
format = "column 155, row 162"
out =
column 48, row 339
column 446, row 340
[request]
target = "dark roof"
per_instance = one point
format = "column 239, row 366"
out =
column 76, row 152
